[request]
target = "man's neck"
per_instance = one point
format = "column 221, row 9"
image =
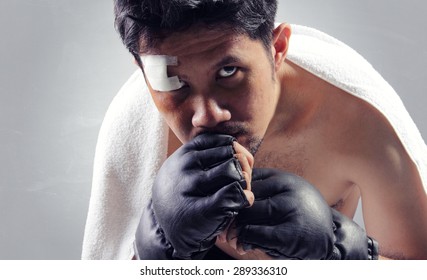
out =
column 297, row 102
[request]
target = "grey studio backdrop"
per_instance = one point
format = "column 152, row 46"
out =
column 61, row 63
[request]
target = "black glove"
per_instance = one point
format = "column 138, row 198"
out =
column 290, row 220
column 197, row 192
column 351, row 241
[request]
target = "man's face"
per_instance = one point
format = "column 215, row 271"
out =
column 229, row 86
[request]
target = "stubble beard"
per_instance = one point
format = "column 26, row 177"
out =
column 250, row 141
column 253, row 144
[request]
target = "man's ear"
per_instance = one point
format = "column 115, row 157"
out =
column 280, row 44
column 135, row 62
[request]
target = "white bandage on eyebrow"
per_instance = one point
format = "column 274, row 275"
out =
column 156, row 72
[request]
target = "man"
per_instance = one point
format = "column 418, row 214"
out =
column 221, row 68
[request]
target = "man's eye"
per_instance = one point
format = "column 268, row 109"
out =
column 227, row 71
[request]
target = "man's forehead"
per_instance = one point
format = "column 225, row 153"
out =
column 195, row 40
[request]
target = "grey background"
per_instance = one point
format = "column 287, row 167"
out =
column 61, row 63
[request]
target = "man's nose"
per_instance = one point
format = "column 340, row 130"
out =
column 208, row 113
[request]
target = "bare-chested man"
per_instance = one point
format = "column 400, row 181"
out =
column 228, row 74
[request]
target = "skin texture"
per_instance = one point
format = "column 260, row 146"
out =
column 284, row 117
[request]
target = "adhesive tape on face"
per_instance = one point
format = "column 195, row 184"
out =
column 155, row 69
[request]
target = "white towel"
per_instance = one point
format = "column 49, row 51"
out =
column 132, row 143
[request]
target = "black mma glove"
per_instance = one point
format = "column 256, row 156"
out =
column 197, row 192
column 290, row 220
column 351, row 241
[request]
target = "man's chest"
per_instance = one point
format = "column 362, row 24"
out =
column 316, row 157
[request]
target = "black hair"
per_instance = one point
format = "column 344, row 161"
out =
column 148, row 21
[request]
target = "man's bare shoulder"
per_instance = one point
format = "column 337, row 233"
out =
column 393, row 198
column 350, row 127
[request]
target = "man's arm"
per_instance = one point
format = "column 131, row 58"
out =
column 393, row 197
